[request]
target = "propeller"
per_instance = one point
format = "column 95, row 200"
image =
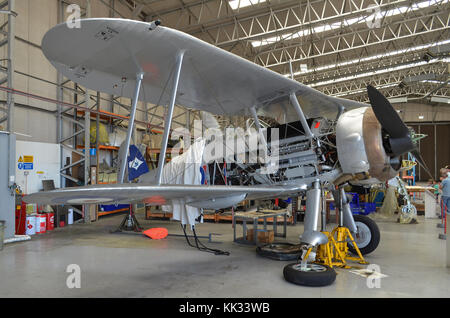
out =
column 398, row 139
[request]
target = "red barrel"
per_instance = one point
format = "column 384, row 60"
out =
column 41, row 221
column 50, row 220
column 21, row 216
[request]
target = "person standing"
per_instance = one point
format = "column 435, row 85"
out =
column 445, row 187
column 436, row 190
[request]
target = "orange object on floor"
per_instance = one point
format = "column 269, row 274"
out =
column 156, row 233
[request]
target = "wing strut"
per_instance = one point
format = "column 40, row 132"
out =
column 299, row 111
column 123, row 164
column 258, row 125
column 168, row 120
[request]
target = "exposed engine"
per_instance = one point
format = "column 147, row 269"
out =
column 369, row 142
column 298, row 156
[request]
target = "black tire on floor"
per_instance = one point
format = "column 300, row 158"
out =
column 316, row 276
column 280, row 251
column 369, row 244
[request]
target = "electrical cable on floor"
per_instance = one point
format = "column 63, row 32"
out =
column 199, row 245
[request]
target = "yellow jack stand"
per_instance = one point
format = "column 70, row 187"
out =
column 335, row 252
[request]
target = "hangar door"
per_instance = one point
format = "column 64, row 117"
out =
column 435, row 148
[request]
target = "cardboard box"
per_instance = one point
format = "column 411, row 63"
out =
column 263, row 236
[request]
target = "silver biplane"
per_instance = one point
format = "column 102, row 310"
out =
column 330, row 142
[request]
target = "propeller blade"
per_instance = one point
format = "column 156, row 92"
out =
column 399, row 137
column 421, row 162
column 386, row 114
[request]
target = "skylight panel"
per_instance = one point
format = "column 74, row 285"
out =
column 237, row 4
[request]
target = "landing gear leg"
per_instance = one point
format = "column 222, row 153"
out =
column 306, row 272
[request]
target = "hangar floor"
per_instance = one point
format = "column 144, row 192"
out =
column 124, row 265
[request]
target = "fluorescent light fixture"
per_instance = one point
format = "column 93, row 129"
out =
column 371, row 58
column 444, row 100
column 377, row 72
column 433, row 81
column 346, row 22
column 362, row 90
column 421, row 117
column 398, row 100
column 237, row 4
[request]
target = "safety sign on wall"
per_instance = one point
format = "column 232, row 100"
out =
column 25, row 163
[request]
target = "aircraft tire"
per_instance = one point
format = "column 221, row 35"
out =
column 317, row 275
column 279, row 251
column 369, row 239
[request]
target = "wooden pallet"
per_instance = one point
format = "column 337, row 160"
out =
column 215, row 217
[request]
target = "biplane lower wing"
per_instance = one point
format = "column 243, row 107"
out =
column 196, row 195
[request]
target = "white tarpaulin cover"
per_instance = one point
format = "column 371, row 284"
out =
column 185, row 169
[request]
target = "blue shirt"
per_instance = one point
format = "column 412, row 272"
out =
column 446, row 187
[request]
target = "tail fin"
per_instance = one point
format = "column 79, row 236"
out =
column 136, row 164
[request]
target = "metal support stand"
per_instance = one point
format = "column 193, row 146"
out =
column 129, row 223
column 334, row 251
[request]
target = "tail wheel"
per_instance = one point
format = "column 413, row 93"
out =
column 367, row 236
column 280, row 251
column 313, row 275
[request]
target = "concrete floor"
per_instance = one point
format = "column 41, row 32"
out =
column 125, row 265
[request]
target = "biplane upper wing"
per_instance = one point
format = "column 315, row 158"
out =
column 106, row 54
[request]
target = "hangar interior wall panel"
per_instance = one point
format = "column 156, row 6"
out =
column 443, row 146
column 46, row 165
column 7, row 211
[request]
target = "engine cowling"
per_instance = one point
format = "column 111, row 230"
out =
column 359, row 141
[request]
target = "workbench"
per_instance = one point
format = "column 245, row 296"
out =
column 254, row 218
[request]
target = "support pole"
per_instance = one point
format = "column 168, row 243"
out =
column 87, row 152
column 123, row 162
column 11, row 64
column 87, row 139
column 168, row 120
column 323, row 212
column 291, row 70
column 302, row 117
